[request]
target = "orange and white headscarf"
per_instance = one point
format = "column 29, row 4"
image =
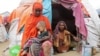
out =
column 37, row 5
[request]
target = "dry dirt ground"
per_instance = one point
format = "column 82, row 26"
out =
column 71, row 53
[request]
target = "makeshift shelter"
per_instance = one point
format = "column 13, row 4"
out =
column 69, row 11
column 92, row 25
column 19, row 16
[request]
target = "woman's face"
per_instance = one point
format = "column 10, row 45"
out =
column 61, row 26
column 37, row 12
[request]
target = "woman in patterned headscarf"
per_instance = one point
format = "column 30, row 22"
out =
column 62, row 37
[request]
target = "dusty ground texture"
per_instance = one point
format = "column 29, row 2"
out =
column 71, row 53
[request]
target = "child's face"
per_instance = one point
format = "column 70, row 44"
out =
column 41, row 28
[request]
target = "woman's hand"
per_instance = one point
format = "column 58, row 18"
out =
column 76, row 39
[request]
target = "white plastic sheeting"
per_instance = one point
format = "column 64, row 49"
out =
column 93, row 24
column 27, row 2
column 93, row 36
column 13, row 36
column 95, row 3
column 3, row 33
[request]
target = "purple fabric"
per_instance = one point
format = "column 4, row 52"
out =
column 57, row 27
column 29, row 43
column 77, row 13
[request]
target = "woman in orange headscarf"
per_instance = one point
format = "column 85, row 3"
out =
column 30, row 26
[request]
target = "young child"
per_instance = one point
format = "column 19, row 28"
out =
column 42, row 35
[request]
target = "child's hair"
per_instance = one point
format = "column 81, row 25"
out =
column 41, row 23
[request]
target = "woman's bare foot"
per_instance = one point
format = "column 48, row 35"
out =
column 23, row 53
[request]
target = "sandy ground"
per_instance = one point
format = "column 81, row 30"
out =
column 70, row 53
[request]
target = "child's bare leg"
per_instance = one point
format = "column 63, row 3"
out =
column 24, row 53
column 47, row 48
column 32, row 48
